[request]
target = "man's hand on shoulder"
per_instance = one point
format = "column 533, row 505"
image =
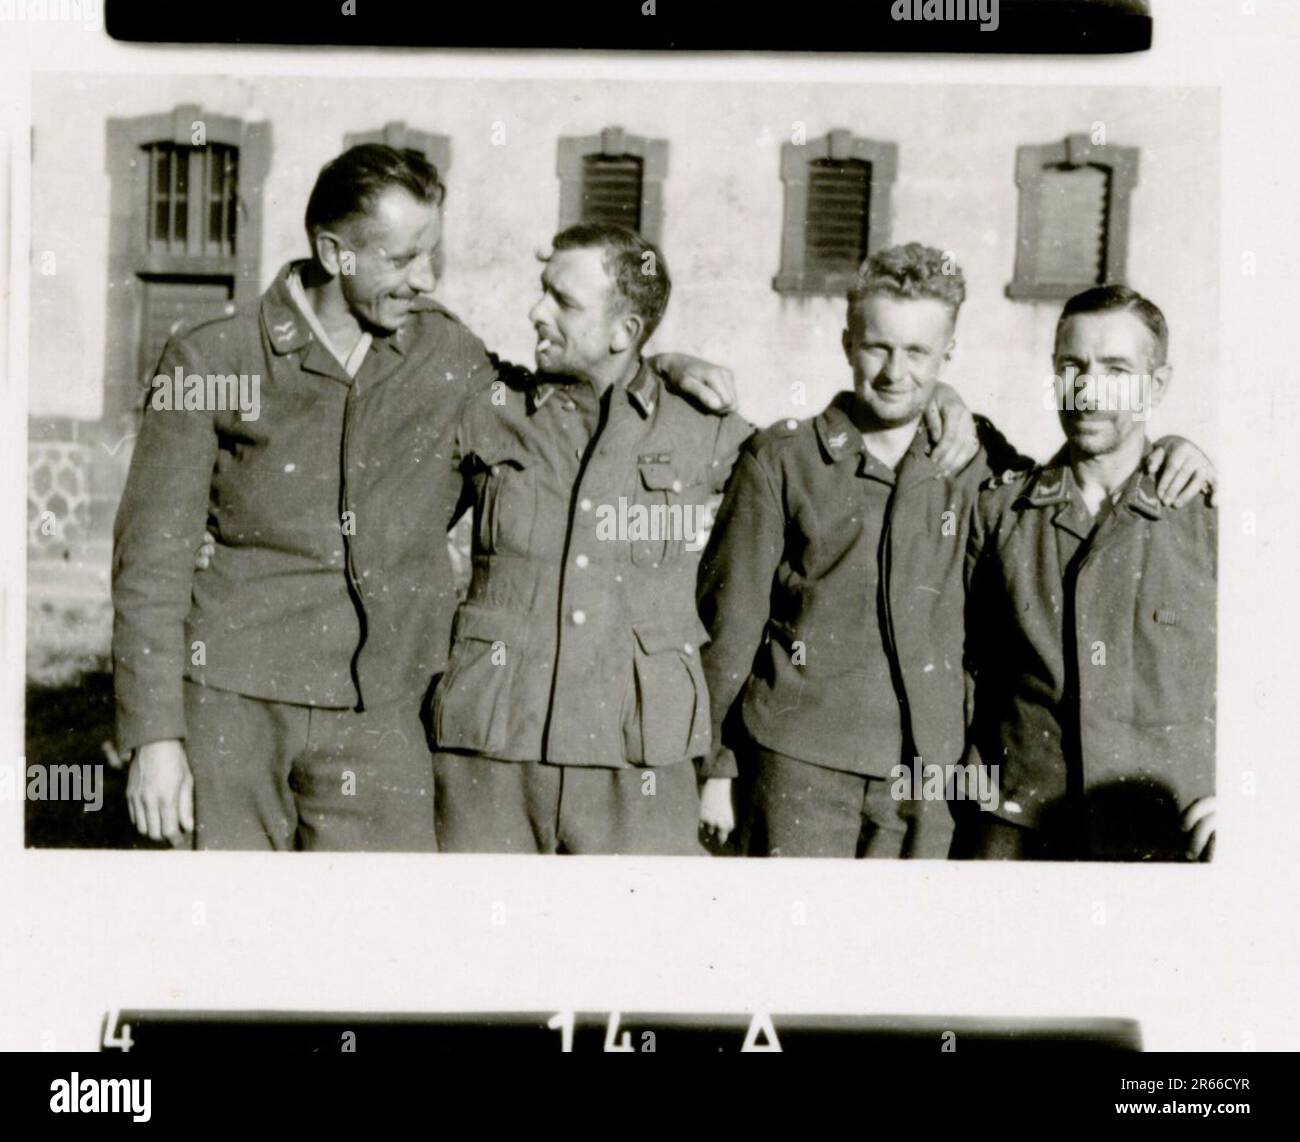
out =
column 952, row 426
column 1182, row 472
column 160, row 791
column 711, row 387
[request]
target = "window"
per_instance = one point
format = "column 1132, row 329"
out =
column 208, row 215
column 613, row 177
column 837, row 210
column 1072, row 231
column 186, row 223
column 435, row 148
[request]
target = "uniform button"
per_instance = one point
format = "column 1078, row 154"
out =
column 792, row 423
column 579, row 617
column 577, row 452
column 496, row 468
column 677, row 485
column 689, row 648
column 582, row 561
column 585, row 505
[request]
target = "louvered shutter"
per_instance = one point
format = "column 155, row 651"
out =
column 611, row 190
column 1072, row 216
column 838, row 219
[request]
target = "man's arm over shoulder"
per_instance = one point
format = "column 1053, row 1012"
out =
column 735, row 583
column 159, row 527
column 732, row 430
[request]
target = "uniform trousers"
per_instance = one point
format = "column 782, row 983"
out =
column 800, row 809
column 274, row 775
column 486, row 805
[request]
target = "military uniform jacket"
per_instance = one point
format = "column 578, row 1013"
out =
column 1093, row 659
column 330, row 584
column 579, row 641
column 783, row 593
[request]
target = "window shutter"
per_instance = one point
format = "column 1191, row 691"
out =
column 838, row 219
column 611, row 190
column 1072, row 225
column 1072, row 209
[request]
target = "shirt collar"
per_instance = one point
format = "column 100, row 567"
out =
column 352, row 362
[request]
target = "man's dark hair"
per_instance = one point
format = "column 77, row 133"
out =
column 635, row 266
column 348, row 186
column 1120, row 298
column 909, row 271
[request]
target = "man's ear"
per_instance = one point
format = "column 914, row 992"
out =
column 1160, row 382
column 328, row 248
column 627, row 332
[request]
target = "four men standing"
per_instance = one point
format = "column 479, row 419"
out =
column 272, row 699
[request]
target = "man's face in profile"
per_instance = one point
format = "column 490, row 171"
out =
column 578, row 320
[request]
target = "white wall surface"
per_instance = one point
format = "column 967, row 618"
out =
column 722, row 214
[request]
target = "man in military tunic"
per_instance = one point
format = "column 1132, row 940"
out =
column 574, row 700
column 1091, row 637
column 271, row 699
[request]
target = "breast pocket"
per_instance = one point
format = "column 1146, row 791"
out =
column 505, row 503
column 669, row 511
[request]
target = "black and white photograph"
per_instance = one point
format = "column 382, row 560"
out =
column 838, row 495
column 820, row 492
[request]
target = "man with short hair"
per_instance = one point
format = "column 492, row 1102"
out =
column 574, row 702
column 832, row 588
column 1091, row 638
column 271, row 699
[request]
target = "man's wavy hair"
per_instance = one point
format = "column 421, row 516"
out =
column 909, row 271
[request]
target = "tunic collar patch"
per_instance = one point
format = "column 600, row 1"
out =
column 285, row 326
column 642, row 391
column 1053, row 484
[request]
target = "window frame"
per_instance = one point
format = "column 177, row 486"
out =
column 399, row 136
column 614, row 142
column 795, row 278
column 1075, row 151
column 133, row 260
